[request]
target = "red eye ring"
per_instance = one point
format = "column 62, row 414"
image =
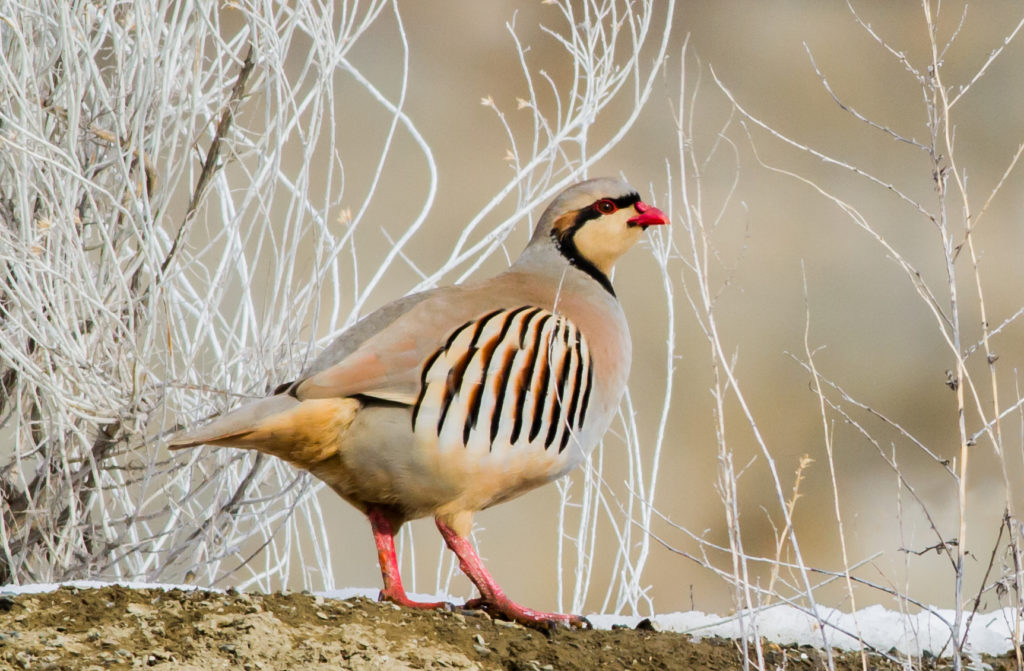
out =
column 605, row 206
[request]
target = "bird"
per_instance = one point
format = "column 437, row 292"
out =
column 451, row 400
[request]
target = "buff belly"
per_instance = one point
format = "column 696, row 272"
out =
column 382, row 463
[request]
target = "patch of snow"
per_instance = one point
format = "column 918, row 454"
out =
column 40, row 588
column 373, row 592
column 352, row 592
column 883, row 629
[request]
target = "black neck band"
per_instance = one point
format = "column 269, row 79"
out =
column 567, row 247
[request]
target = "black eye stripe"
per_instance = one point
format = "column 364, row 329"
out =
column 620, row 203
column 585, row 214
column 625, row 201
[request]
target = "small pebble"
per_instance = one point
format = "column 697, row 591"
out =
column 137, row 609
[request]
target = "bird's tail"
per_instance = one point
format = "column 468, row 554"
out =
column 301, row 432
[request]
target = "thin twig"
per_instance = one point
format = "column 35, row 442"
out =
column 210, row 164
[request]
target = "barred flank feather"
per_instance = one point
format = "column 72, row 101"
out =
column 510, row 379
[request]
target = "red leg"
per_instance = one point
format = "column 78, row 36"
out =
column 384, row 536
column 492, row 598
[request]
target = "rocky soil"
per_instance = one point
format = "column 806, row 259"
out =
column 120, row 628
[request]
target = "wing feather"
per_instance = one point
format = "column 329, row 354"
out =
column 389, row 362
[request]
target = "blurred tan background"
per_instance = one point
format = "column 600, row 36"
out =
column 879, row 340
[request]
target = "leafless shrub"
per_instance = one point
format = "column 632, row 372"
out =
column 144, row 207
column 986, row 392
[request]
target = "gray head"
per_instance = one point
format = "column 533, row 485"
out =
column 595, row 222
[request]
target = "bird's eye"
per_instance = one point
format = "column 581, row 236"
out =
column 605, row 206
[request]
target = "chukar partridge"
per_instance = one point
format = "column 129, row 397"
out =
column 451, row 400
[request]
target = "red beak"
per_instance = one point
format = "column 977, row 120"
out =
column 647, row 215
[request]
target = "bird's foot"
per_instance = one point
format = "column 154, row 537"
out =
column 512, row 611
column 398, row 597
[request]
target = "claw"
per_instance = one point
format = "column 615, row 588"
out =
column 492, row 599
column 393, row 592
column 475, row 604
column 507, row 609
column 399, row 598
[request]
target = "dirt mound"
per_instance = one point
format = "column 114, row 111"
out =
column 119, row 628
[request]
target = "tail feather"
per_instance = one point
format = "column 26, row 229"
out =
column 234, row 425
column 301, row 432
